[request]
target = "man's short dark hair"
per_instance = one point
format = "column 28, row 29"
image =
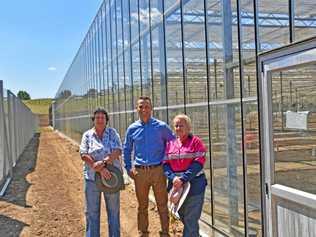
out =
column 145, row 98
column 102, row 111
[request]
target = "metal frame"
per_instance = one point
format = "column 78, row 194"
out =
column 285, row 57
column 241, row 89
column 183, row 57
column 131, row 56
column 151, row 56
column 139, row 49
column 210, row 19
column 117, row 67
column 208, row 106
column 124, row 73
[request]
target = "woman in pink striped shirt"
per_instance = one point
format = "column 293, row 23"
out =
column 184, row 161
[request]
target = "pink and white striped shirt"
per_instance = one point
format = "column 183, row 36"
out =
column 180, row 156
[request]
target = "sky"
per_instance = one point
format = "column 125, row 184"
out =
column 39, row 39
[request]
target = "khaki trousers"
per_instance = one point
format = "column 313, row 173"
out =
column 155, row 178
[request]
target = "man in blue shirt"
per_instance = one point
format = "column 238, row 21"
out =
column 147, row 138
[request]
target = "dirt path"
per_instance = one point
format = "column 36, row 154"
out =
column 45, row 197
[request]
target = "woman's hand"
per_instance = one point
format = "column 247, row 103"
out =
column 108, row 160
column 105, row 173
column 98, row 166
column 177, row 183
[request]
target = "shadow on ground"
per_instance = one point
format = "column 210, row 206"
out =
column 13, row 227
column 17, row 190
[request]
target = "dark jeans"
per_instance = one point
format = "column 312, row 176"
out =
column 190, row 213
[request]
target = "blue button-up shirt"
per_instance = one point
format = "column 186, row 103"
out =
column 98, row 148
column 148, row 141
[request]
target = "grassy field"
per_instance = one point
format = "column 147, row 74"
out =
column 38, row 106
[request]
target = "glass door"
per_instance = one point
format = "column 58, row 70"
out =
column 288, row 139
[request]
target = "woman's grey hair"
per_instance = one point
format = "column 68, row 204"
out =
column 185, row 118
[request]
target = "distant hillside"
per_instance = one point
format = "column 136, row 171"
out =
column 38, row 106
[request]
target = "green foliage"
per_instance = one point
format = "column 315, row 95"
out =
column 23, row 95
column 38, row 106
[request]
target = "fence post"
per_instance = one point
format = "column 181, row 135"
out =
column 9, row 128
column 2, row 136
column 53, row 114
column 6, row 172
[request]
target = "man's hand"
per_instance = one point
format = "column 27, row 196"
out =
column 105, row 173
column 98, row 166
column 132, row 173
column 177, row 183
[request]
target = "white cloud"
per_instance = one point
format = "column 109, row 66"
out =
column 52, row 69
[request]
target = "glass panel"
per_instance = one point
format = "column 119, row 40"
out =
column 252, row 148
column 128, row 65
column 273, row 20
column 305, row 19
column 174, row 59
column 105, row 73
column 223, row 50
column 199, row 119
column 226, row 133
column 92, row 58
column 145, row 47
column 194, row 51
column 161, row 114
column 114, row 62
column 158, row 57
column 98, row 59
column 250, row 117
column 169, row 4
column 294, row 129
column 135, row 50
column 228, row 172
column 121, row 69
column 109, row 57
column 96, row 62
column 172, row 113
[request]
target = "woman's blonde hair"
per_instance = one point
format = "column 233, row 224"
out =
column 185, row 118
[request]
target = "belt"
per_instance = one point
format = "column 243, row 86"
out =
column 147, row 166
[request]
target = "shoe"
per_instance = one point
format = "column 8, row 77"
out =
column 164, row 234
column 143, row 233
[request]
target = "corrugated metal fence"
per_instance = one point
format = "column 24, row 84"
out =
column 17, row 126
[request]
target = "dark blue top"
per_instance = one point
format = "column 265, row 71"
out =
column 148, row 141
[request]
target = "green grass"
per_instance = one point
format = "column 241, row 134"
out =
column 38, row 106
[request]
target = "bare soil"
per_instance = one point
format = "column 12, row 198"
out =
column 45, row 197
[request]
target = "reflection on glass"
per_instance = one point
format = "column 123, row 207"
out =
column 294, row 127
column 198, row 116
column 227, row 168
column 133, row 60
column 174, row 59
column 305, row 19
column 158, row 63
column 252, row 150
column 273, row 20
column 194, row 53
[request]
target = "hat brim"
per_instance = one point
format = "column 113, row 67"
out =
column 112, row 185
column 174, row 208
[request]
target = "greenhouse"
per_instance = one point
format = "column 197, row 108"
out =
column 242, row 70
